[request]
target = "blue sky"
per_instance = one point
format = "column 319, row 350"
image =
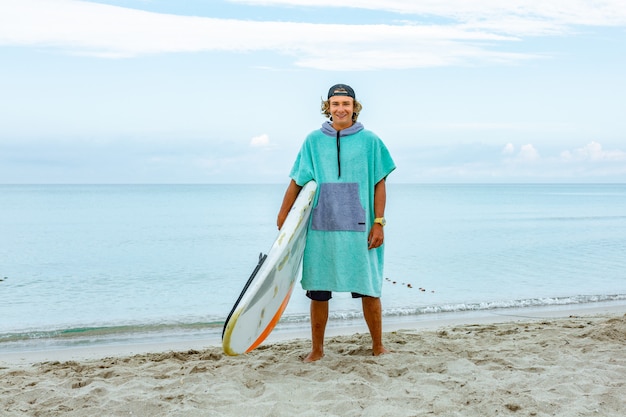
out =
column 141, row 91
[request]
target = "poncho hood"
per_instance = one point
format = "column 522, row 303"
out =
column 328, row 129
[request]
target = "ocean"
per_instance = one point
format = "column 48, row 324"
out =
column 105, row 264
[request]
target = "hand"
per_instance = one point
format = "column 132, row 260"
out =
column 281, row 219
column 376, row 236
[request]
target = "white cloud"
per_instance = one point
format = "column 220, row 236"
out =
column 509, row 149
column 517, row 16
column 482, row 163
column 593, row 152
column 260, row 141
column 527, row 153
column 106, row 31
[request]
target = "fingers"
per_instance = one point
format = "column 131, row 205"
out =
column 375, row 244
column 374, row 241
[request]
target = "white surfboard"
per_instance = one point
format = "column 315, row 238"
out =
column 266, row 294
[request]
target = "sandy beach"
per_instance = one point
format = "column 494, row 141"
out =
column 565, row 365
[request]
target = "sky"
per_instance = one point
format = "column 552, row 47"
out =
column 202, row 92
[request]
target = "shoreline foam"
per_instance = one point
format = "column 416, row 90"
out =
column 286, row 332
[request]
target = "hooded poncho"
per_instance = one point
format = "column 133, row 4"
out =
column 346, row 166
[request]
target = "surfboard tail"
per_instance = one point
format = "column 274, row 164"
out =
column 272, row 322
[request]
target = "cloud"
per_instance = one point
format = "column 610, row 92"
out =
column 511, row 163
column 260, row 141
column 509, row 149
column 475, row 32
column 527, row 153
column 593, row 152
column 528, row 17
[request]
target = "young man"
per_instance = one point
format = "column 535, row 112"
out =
column 344, row 249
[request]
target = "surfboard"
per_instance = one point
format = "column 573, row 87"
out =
column 266, row 293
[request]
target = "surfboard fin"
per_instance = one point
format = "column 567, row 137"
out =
column 262, row 258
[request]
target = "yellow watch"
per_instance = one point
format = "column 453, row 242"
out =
column 380, row 220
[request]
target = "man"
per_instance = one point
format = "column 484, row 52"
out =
column 344, row 248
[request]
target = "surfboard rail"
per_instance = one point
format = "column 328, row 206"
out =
column 267, row 291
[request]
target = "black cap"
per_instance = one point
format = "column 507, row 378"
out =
column 341, row 90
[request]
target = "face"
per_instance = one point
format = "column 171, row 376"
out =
column 341, row 110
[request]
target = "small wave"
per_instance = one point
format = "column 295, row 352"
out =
column 464, row 307
column 90, row 335
column 81, row 336
column 492, row 305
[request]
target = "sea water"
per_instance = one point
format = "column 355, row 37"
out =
column 84, row 264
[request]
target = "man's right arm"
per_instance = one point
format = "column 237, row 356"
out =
column 290, row 196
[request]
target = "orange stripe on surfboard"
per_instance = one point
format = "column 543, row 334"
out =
column 273, row 322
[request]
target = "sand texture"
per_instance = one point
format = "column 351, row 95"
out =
column 571, row 367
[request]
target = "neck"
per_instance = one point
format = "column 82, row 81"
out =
column 341, row 126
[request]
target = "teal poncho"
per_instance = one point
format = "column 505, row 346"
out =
column 346, row 166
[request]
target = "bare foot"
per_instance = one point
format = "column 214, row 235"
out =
column 313, row 356
column 380, row 351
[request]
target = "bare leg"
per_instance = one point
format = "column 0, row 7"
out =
column 372, row 311
column 319, row 318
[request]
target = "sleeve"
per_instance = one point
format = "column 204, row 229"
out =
column 302, row 170
column 384, row 163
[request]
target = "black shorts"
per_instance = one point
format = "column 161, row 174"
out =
column 327, row 295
